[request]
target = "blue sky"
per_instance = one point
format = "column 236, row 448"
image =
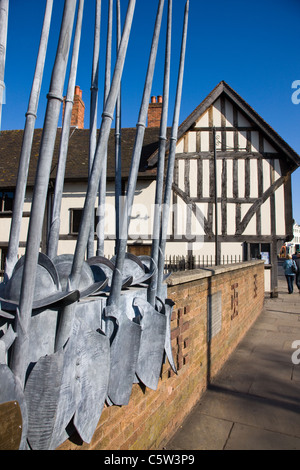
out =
column 253, row 46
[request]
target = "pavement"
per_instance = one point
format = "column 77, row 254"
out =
column 254, row 402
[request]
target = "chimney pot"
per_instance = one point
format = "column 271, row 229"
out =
column 159, row 99
column 153, row 99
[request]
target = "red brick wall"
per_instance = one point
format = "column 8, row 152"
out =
column 154, row 114
column 151, row 417
column 77, row 118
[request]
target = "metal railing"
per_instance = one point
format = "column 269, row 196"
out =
column 184, row 263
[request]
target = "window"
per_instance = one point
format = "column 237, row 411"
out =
column 6, row 201
column 3, row 254
column 258, row 251
column 75, row 218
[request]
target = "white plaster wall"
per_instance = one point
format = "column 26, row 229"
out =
column 4, row 229
column 228, row 115
column 267, row 276
column 241, row 178
column 231, row 213
column 242, row 121
column 268, row 147
column 253, row 178
column 266, row 218
column 229, row 163
column 203, row 120
column 217, row 113
column 219, row 177
column 218, row 140
column 229, row 141
column 180, row 146
column 205, row 178
column 181, row 174
column 192, row 142
column 242, row 140
column 193, row 178
column 204, row 141
column 229, row 250
column 280, row 211
column 254, row 141
column 251, row 227
column 143, row 209
column 266, row 174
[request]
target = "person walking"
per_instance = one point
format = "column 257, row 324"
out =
column 297, row 261
column 290, row 268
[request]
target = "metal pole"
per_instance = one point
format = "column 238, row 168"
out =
column 64, row 143
column 160, row 164
column 88, row 211
column 102, row 184
column 93, row 185
column 4, row 7
column 12, row 253
column 93, row 111
column 118, row 130
column 116, row 285
column 171, row 160
column 19, row 361
column 216, row 200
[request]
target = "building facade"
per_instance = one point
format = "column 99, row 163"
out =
column 231, row 194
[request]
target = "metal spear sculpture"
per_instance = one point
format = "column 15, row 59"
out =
column 55, row 373
column 159, row 312
column 152, row 289
column 70, row 379
column 102, row 184
column 29, row 265
column 162, row 305
column 93, row 111
column 20, row 356
column 53, row 237
column 88, row 210
column 118, row 155
column 124, row 354
column 171, row 159
column 13, row 245
column 4, row 6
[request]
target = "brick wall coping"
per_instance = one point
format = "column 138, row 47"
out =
column 183, row 277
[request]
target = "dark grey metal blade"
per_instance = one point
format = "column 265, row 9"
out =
column 85, row 374
column 93, row 353
column 42, row 332
column 169, row 304
column 152, row 344
column 42, row 392
column 125, row 343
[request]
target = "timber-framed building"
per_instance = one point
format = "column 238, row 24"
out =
column 227, row 157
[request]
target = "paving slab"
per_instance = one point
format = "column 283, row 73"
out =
column 209, row 433
column 248, row 438
column 254, row 402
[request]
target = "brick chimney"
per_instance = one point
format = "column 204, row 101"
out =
column 154, row 111
column 77, row 119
